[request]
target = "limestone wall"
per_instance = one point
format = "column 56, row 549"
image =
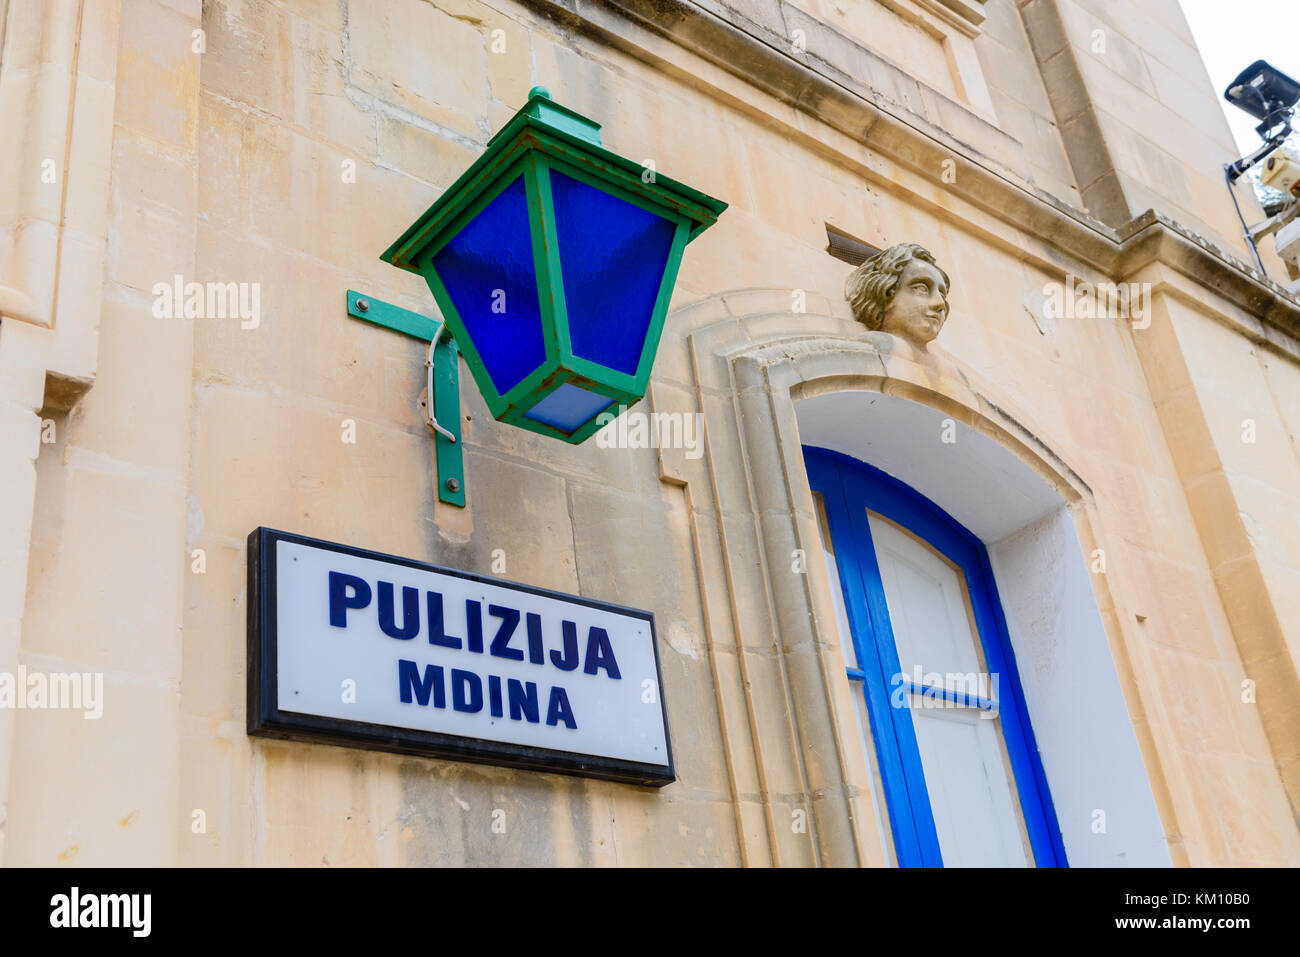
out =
column 308, row 134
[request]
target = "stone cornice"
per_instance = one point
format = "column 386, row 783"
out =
column 766, row 61
column 1155, row 238
column 971, row 11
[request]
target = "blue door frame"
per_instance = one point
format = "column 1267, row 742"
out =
column 849, row 488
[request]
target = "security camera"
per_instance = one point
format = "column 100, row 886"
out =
column 1270, row 96
column 1281, row 171
column 1264, row 92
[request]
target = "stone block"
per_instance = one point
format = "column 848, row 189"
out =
column 699, row 752
column 153, row 178
column 1246, row 810
column 214, row 643
column 206, row 822
column 157, row 44
column 1199, row 700
column 145, row 249
column 320, row 100
column 121, row 553
column 435, row 159
column 250, row 55
column 1218, row 520
column 327, row 14
column 392, row 46
column 523, row 511
column 509, row 58
column 141, row 358
column 128, row 818
column 298, row 445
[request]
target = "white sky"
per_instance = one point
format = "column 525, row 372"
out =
column 1232, row 34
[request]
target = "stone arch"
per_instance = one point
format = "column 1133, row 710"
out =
column 754, row 366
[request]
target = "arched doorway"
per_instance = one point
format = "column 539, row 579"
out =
column 1073, row 751
column 768, row 385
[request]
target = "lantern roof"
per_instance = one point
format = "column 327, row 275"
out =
column 565, row 135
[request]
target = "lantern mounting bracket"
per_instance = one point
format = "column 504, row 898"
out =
column 443, row 378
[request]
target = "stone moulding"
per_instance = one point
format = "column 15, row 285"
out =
column 1069, row 236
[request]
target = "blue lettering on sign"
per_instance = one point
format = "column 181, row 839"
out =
column 600, row 654
column 340, row 601
column 535, row 654
column 466, row 691
column 410, row 684
column 410, row 612
column 350, row 593
column 474, row 625
column 523, row 700
column 501, row 643
column 437, row 636
column 430, row 689
column 570, row 659
column 494, row 696
column 560, row 710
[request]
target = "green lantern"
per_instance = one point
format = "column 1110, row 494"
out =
column 553, row 260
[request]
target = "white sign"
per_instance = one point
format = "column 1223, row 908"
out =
column 358, row 648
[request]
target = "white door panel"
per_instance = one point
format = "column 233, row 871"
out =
column 976, row 814
column 927, row 603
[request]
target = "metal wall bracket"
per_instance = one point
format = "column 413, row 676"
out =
column 443, row 365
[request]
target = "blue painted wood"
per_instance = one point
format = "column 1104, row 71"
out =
column 915, row 842
column 1030, row 777
column 849, row 488
column 947, row 694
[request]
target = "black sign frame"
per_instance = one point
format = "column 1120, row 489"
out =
column 266, row 720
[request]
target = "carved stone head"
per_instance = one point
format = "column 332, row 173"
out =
column 902, row 291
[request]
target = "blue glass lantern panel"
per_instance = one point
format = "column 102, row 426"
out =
column 488, row 272
column 612, row 256
column 569, row 407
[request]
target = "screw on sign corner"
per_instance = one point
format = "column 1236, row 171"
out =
column 453, row 485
